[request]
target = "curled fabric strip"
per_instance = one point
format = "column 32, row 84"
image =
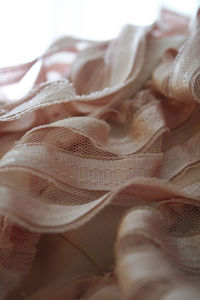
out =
column 177, row 76
column 99, row 167
column 144, row 239
column 18, row 247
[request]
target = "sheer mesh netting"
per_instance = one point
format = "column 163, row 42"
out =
column 100, row 168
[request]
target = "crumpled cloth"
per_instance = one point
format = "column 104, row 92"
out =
column 100, row 167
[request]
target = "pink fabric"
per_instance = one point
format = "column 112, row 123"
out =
column 99, row 167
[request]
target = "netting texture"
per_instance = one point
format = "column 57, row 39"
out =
column 100, row 168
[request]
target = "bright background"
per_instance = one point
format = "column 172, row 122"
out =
column 27, row 27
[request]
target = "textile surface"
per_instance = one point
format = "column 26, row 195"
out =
column 100, row 167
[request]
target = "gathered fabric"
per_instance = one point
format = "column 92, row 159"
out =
column 100, row 167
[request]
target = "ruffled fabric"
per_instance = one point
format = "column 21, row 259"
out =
column 99, row 168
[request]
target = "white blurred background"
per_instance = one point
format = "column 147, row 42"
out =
column 27, row 27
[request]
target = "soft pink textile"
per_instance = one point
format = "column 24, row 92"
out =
column 99, row 168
